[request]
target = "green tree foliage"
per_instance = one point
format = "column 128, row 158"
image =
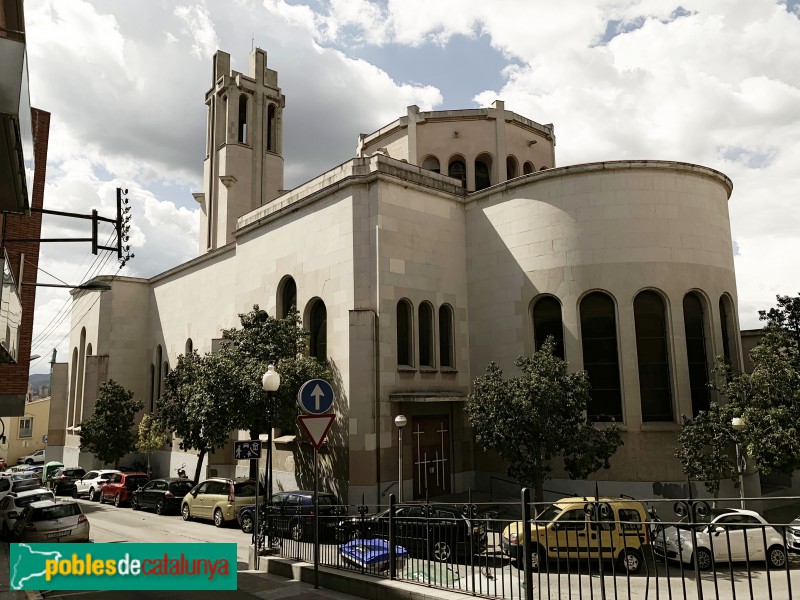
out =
column 705, row 447
column 108, row 433
column 152, row 435
column 541, row 414
column 768, row 399
column 198, row 402
column 260, row 341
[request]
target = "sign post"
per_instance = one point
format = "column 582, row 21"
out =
column 250, row 450
column 316, row 399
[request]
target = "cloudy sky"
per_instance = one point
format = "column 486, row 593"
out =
column 713, row 82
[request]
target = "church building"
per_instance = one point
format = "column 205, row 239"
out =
column 452, row 239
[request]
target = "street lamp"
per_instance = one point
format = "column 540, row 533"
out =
column 270, row 381
column 738, row 424
column 400, row 421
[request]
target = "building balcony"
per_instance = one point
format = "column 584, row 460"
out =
column 10, row 315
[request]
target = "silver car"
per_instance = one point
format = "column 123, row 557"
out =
column 50, row 521
column 12, row 505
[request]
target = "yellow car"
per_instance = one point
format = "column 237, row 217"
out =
column 568, row 529
column 218, row 499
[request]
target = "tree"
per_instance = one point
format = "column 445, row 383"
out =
column 704, row 447
column 152, row 435
column 108, row 433
column 197, row 403
column 260, row 341
column 541, row 414
column 768, row 399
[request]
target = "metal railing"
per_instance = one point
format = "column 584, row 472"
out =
column 583, row 548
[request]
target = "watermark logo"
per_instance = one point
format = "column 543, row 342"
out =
column 123, row 566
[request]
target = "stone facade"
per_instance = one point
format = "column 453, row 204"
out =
column 426, row 278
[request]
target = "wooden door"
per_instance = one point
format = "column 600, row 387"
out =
column 432, row 461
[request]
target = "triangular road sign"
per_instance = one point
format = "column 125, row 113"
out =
column 316, row 427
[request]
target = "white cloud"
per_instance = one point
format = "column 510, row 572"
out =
column 200, row 28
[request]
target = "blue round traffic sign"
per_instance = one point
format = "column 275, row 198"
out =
column 315, row 396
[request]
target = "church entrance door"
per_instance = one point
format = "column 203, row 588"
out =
column 432, row 463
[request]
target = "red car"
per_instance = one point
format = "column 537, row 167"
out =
column 120, row 487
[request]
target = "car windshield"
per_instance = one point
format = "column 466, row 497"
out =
column 549, row 513
column 23, row 502
column 180, row 487
column 59, row 511
column 133, row 483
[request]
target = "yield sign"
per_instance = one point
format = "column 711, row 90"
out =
column 316, row 427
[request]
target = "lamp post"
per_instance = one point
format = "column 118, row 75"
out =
column 400, row 421
column 270, row 381
column 738, row 424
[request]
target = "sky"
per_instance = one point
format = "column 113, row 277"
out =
column 712, row 82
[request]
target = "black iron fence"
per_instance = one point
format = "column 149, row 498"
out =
column 578, row 547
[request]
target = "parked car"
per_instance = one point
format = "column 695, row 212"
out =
column 30, row 459
column 793, row 536
column 3, row 464
column 218, row 499
column 12, row 505
column 120, row 487
column 729, row 535
column 62, row 481
column 18, row 482
column 90, row 484
column 440, row 533
column 290, row 514
column 51, row 521
column 37, row 470
column 560, row 532
column 162, row 495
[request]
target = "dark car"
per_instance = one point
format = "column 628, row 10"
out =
column 439, row 533
column 162, row 495
column 290, row 515
column 63, row 479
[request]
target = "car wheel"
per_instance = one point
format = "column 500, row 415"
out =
column 92, row 496
column 102, row 498
column 247, row 524
column 135, row 504
column 187, row 516
column 29, row 461
column 538, row 559
column 776, row 557
column 74, row 492
column 219, row 520
column 117, row 501
column 160, row 508
column 442, row 551
column 704, row 559
column 296, row 531
column 630, row 561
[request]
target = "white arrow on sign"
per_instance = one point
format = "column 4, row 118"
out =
column 316, row 427
column 316, row 394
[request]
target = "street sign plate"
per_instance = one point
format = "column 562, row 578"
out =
column 316, row 397
column 247, row 450
column 316, row 427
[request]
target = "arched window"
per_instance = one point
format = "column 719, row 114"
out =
column 457, row 169
column 272, row 145
column 446, row 358
column 651, row 349
column 546, row 322
column 73, row 381
column 404, row 335
column 152, row 388
column 287, row 297
column 431, row 163
column 318, row 326
column 528, row 168
column 694, row 323
column 600, row 356
column 242, row 129
column 511, row 167
column 157, row 373
column 189, row 346
column 425, row 335
column 728, row 327
column 483, row 169
column 81, row 378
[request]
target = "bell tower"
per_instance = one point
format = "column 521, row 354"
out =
column 243, row 166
